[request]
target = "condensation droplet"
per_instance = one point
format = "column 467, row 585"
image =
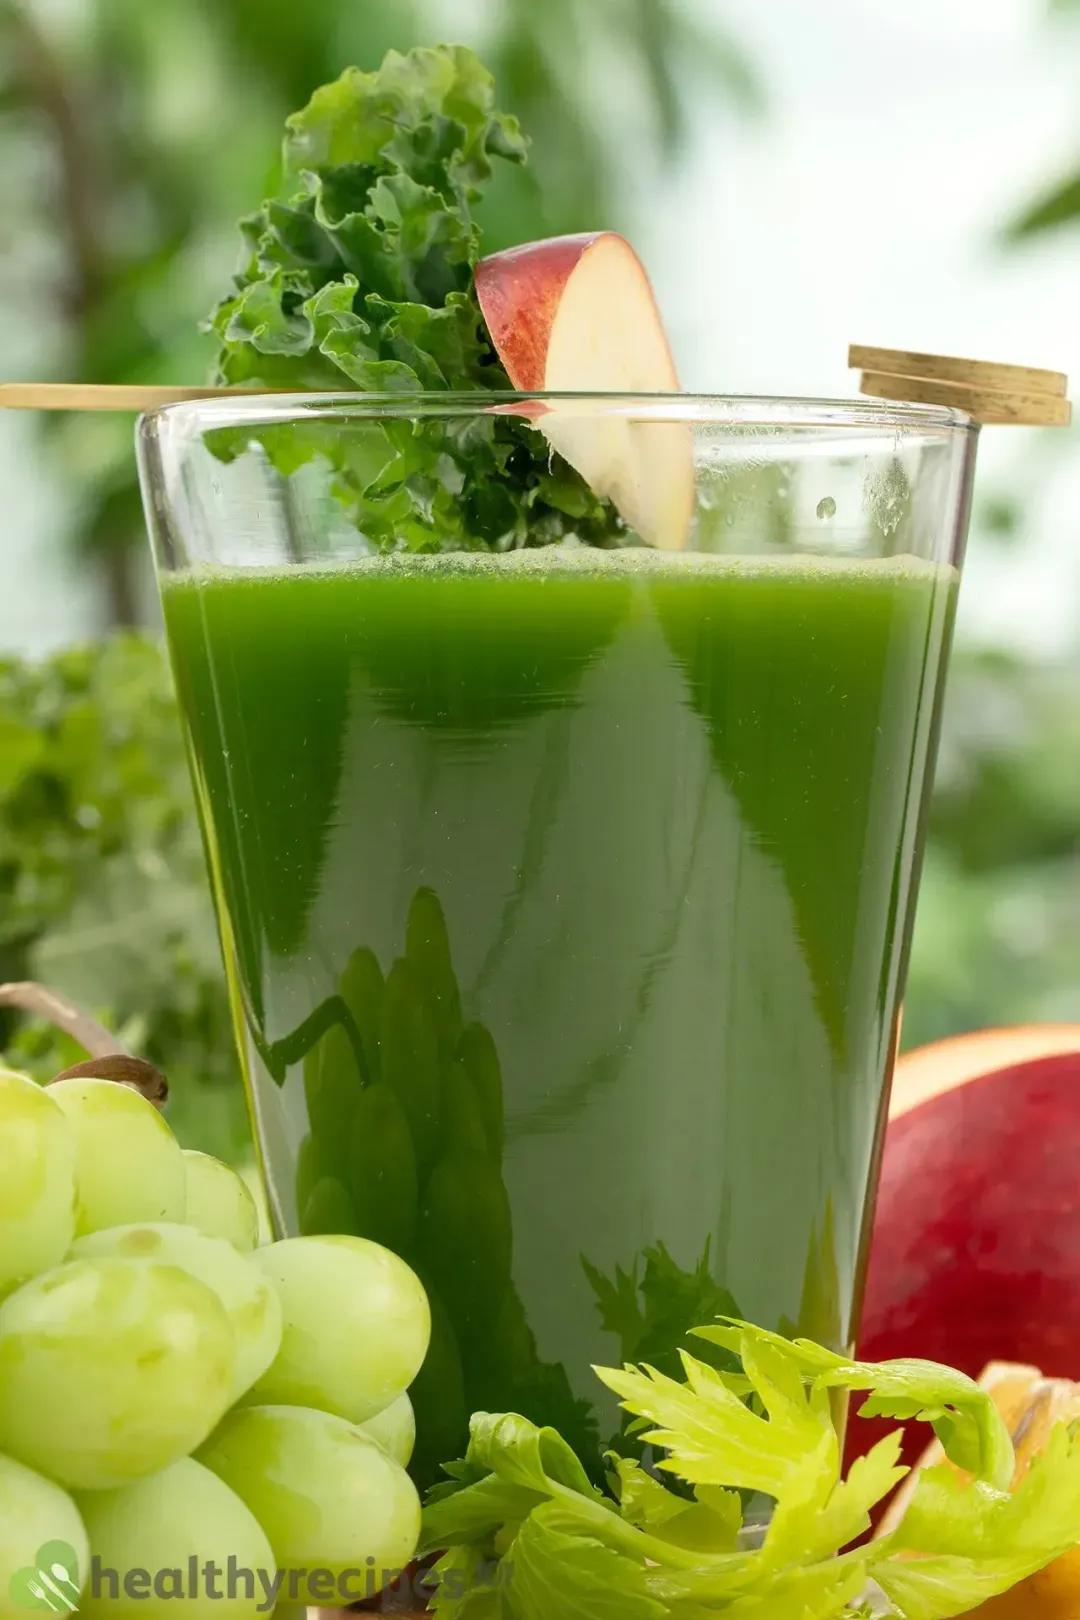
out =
column 826, row 508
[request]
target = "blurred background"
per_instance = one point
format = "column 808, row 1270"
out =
column 796, row 178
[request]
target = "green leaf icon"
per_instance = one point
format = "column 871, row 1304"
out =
column 51, row 1583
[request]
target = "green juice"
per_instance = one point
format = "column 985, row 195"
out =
column 560, row 899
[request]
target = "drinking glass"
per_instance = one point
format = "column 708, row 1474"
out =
column 565, row 892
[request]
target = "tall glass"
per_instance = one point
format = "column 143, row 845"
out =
column 565, row 893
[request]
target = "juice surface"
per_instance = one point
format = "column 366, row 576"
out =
column 559, row 897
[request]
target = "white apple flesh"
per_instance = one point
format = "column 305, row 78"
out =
column 576, row 314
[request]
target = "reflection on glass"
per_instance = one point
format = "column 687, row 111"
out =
column 406, row 1116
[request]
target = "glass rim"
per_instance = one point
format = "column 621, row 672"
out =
column 732, row 410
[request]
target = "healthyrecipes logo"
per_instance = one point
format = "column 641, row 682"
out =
column 52, row 1583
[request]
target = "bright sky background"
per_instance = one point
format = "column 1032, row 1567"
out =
column 864, row 207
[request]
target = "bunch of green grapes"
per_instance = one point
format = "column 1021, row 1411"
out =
column 169, row 1390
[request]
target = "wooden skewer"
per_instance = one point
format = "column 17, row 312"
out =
column 983, row 404
column 984, row 390
column 949, row 368
column 105, row 396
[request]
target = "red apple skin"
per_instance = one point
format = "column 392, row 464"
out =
column 577, row 315
column 519, row 293
column 975, row 1255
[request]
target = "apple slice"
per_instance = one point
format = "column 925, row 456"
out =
column 576, row 314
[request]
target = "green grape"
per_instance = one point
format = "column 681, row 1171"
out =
column 466, row 1238
column 218, row 1202
column 363, row 987
column 128, row 1164
column 251, row 1302
column 111, row 1369
column 384, row 1183
column 357, row 1326
column 37, row 1181
column 36, row 1516
column 328, row 1209
column 427, row 946
column 328, row 1497
column 160, row 1525
column 410, row 1057
column 478, row 1053
column 394, row 1429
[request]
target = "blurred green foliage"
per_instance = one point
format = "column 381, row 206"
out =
column 998, row 934
column 103, row 891
column 1059, row 204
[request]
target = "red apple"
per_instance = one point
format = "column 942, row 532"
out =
column 576, row 314
column 975, row 1255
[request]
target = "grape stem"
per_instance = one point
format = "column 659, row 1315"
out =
column 108, row 1059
